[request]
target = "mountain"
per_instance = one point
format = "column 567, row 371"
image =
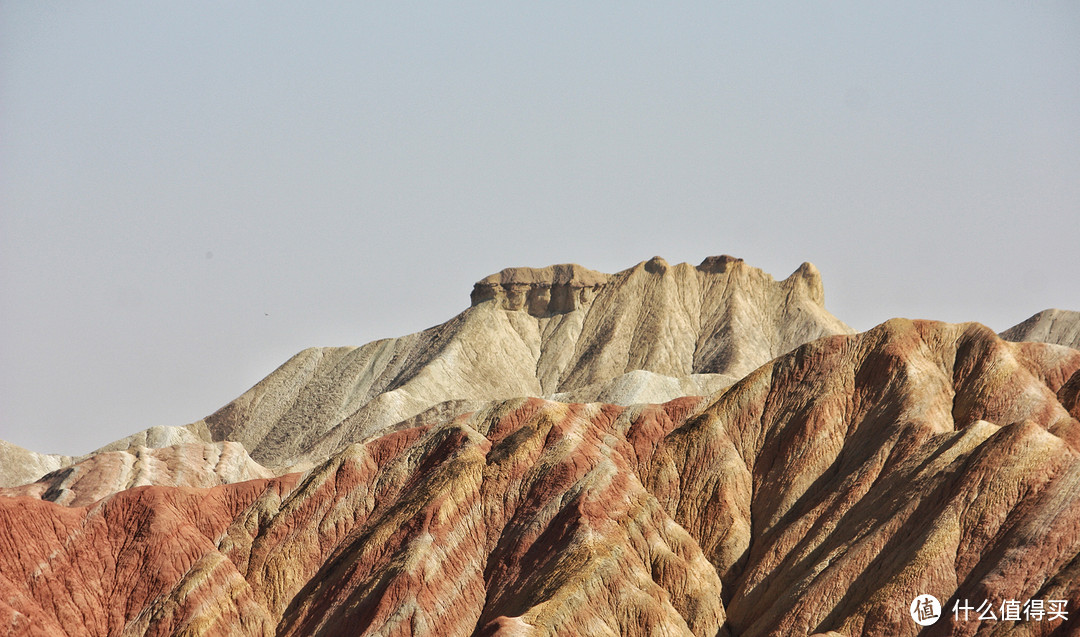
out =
column 647, row 334
column 821, row 492
column 1049, row 326
column 20, row 466
column 752, row 468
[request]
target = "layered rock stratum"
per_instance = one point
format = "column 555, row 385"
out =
column 820, row 492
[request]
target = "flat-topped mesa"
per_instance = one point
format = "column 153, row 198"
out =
column 555, row 289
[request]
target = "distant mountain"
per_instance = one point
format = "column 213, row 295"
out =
column 19, row 465
column 647, row 334
column 1049, row 326
column 108, row 472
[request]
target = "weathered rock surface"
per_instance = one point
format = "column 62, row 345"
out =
column 640, row 386
column 862, row 471
column 562, row 331
column 19, row 465
column 520, row 515
column 102, row 474
column 1049, row 326
column 822, row 492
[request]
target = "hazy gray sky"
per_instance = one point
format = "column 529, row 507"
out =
column 191, row 192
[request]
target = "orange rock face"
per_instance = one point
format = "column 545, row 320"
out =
column 823, row 492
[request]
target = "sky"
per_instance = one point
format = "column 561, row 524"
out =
column 191, row 192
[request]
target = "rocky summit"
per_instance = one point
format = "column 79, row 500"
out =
column 668, row 450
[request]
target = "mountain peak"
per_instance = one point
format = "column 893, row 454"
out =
column 501, row 473
column 807, row 278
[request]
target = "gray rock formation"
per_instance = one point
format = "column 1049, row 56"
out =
column 1061, row 327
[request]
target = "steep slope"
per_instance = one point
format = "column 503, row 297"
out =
column 1049, row 326
column 563, row 330
column 833, row 485
column 822, row 492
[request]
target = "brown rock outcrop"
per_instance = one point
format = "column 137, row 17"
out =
column 819, row 494
column 520, row 515
column 145, row 557
column 858, row 472
column 556, row 289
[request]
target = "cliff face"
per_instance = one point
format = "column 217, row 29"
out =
column 542, row 292
column 822, row 492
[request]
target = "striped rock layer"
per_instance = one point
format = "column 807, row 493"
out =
column 821, row 493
